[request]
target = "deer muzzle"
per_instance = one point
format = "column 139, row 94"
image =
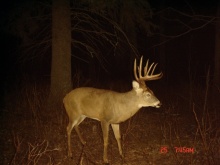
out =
column 158, row 104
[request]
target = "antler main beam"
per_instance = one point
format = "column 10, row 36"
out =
column 148, row 71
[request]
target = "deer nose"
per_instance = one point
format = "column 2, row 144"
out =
column 158, row 105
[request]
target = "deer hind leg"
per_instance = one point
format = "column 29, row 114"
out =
column 73, row 123
column 77, row 129
column 69, row 130
column 116, row 131
column 105, row 130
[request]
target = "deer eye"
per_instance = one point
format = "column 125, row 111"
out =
column 147, row 94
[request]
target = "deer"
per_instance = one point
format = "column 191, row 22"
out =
column 110, row 107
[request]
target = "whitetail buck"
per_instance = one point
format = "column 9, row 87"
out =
column 109, row 107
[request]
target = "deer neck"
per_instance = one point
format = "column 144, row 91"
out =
column 132, row 100
column 126, row 105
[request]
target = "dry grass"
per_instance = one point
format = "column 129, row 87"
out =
column 152, row 136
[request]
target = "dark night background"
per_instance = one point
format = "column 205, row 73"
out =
column 197, row 45
column 182, row 42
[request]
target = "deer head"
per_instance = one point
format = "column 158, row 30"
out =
column 143, row 91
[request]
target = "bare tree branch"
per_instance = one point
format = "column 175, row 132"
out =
column 179, row 18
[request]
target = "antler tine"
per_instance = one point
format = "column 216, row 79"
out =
column 140, row 68
column 149, row 70
column 153, row 69
column 145, row 68
column 135, row 70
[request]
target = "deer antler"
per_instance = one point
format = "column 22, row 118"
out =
column 148, row 72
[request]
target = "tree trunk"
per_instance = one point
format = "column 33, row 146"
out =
column 217, row 49
column 61, row 51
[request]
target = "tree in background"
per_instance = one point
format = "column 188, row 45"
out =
column 61, row 82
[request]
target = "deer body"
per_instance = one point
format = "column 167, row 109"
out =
column 99, row 104
column 108, row 107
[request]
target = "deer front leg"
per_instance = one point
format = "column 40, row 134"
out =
column 105, row 130
column 117, row 134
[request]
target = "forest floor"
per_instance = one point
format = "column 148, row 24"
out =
column 185, row 130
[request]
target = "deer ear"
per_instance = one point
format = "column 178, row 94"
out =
column 136, row 86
